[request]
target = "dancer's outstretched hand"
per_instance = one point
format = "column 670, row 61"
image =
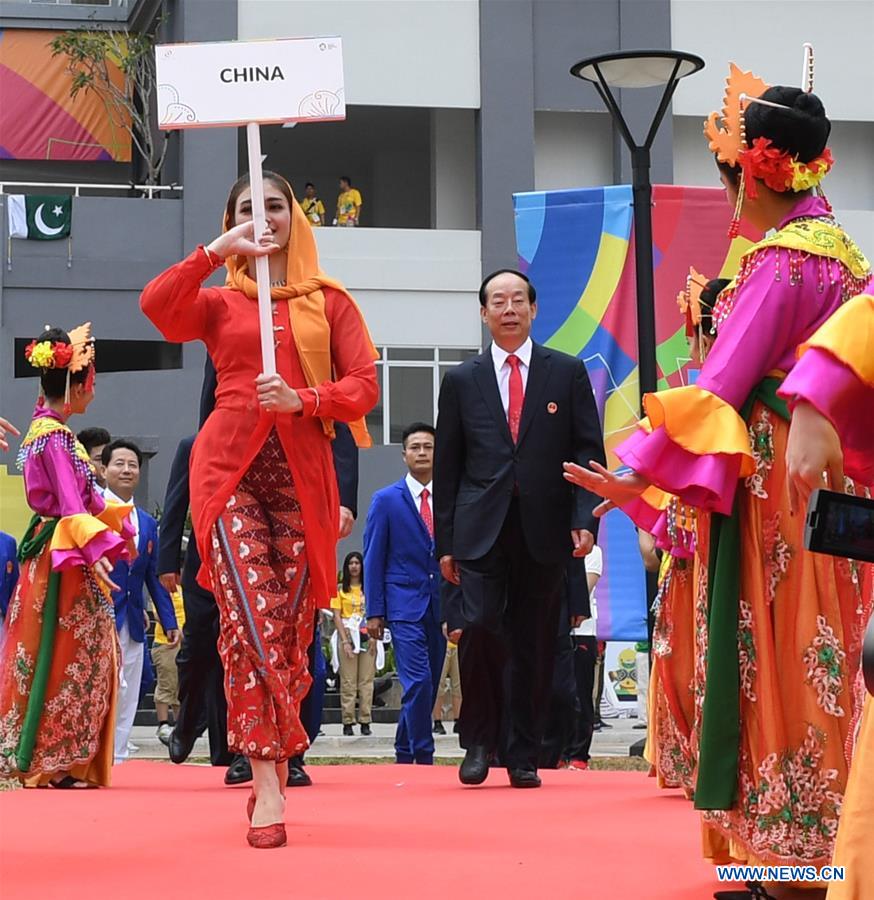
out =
column 103, row 570
column 240, row 241
column 615, row 489
column 6, row 428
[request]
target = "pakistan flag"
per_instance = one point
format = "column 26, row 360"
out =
column 38, row 217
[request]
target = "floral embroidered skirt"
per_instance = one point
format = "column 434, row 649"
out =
column 266, row 607
column 801, row 622
column 672, row 685
column 70, row 727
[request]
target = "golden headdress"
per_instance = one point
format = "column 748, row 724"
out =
column 777, row 168
column 75, row 357
column 83, row 347
column 689, row 299
column 729, row 140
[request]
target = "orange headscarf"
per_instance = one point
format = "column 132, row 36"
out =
column 304, row 281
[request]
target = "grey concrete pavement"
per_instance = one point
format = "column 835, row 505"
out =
column 611, row 742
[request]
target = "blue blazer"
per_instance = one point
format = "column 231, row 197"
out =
column 8, row 571
column 133, row 577
column 401, row 574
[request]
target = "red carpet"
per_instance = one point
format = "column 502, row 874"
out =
column 388, row 832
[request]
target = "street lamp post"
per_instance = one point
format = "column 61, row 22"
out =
column 638, row 69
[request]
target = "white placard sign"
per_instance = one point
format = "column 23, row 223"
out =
column 251, row 83
column 237, row 82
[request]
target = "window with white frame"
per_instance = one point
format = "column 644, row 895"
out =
column 409, row 383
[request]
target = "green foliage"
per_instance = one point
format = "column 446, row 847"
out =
column 91, row 54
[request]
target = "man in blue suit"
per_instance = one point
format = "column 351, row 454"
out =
column 8, row 571
column 402, row 588
column 121, row 461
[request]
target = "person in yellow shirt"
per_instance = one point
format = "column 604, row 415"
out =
column 355, row 651
column 312, row 207
column 348, row 204
column 449, row 690
column 164, row 661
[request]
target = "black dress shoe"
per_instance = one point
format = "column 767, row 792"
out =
column 239, row 771
column 365, row 729
column 347, row 731
column 438, row 727
column 180, row 746
column 475, row 767
column 755, row 891
column 297, row 776
column 523, row 778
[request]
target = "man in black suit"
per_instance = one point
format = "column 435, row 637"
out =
column 201, row 676
column 201, row 690
column 507, row 521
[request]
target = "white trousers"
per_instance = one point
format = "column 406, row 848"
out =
column 642, row 666
column 129, row 692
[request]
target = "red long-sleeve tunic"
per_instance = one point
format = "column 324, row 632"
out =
column 226, row 320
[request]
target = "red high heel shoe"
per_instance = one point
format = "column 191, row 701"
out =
column 267, row 837
column 250, row 806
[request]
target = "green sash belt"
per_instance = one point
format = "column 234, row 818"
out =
column 716, row 786
column 30, row 547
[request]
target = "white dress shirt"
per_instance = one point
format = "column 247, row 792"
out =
column 109, row 497
column 594, row 564
column 416, row 488
column 503, row 369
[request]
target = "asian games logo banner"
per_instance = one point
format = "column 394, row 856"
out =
column 577, row 247
column 38, row 117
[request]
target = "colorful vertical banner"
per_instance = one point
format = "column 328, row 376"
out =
column 577, row 247
column 39, row 119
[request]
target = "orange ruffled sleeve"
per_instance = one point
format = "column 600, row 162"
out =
column 694, row 446
column 848, row 336
column 702, row 423
column 835, row 375
column 82, row 539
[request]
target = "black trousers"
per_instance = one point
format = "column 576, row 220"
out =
column 202, row 704
column 560, row 732
column 511, row 606
column 584, row 656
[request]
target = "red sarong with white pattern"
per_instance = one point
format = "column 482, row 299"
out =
column 262, row 586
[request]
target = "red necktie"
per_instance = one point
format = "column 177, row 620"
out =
column 425, row 512
column 517, row 396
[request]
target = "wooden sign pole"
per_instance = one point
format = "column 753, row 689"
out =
column 262, row 267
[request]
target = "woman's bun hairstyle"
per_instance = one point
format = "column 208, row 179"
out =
column 802, row 130
column 53, row 381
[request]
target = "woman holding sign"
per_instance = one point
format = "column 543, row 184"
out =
column 263, row 489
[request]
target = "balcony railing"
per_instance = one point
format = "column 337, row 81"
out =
column 149, row 190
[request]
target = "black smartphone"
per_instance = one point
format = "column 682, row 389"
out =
column 840, row 525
